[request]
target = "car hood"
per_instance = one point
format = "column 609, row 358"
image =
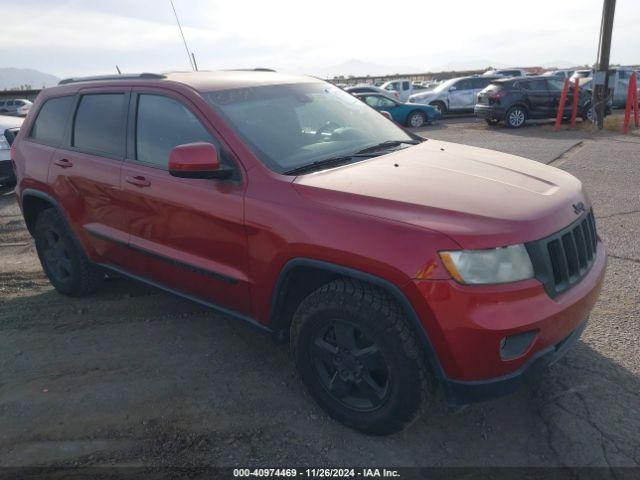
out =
column 423, row 96
column 479, row 198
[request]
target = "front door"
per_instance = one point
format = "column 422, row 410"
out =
column 186, row 234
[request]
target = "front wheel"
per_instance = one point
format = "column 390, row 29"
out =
column 359, row 359
column 516, row 117
column 416, row 119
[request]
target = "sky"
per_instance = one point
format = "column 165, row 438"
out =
column 84, row 37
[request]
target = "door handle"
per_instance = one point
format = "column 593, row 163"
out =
column 138, row 181
column 63, row 162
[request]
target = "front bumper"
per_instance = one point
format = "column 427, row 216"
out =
column 462, row 393
column 465, row 325
column 489, row 111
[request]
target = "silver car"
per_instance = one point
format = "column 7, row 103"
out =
column 9, row 127
column 454, row 95
column 618, row 83
column 17, row 106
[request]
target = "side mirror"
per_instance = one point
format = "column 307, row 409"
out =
column 386, row 114
column 453, row 89
column 197, row 160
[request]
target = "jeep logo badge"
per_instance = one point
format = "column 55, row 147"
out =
column 578, row 208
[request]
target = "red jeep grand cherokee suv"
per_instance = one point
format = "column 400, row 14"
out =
column 391, row 264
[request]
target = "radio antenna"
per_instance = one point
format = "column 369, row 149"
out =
column 182, row 34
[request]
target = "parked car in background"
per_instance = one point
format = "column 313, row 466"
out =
column 618, row 84
column 506, row 72
column 562, row 74
column 582, row 74
column 403, row 86
column 408, row 114
column 9, row 127
column 372, row 89
column 454, row 95
column 17, row 106
column 516, row 100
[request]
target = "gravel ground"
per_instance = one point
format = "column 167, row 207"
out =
column 133, row 376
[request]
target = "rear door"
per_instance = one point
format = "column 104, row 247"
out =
column 187, row 235
column 538, row 97
column 85, row 172
column 45, row 135
column 462, row 97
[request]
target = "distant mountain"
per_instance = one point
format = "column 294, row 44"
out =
column 15, row 78
column 359, row 68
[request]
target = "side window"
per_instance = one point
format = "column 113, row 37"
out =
column 623, row 74
column 555, row 84
column 52, row 120
column 10, row 103
column 163, row 123
column 464, row 85
column 99, row 124
column 405, row 86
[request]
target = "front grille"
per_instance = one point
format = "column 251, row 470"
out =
column 563, row 259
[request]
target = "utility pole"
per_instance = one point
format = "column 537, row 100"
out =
column 601, row 73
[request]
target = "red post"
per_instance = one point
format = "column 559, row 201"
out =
column 563, row 101
column 632, row 103
column 636, row 106
column 576, row 95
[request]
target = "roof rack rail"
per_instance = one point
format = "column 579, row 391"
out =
column 257, row 69
column 128, row 76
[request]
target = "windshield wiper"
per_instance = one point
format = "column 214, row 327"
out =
column 327, row 163
column 371, row 151
column 386, row 145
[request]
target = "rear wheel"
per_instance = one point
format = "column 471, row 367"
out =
column 440, row 106
column 62, row 258
column 516, row 117
column 359, row 359
column 416, row 119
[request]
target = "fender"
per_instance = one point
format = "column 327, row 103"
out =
column 278, row 296
column 31, row 192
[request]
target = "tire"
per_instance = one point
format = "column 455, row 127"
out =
column 62, row 258
column 416, row 119
column 491, row 121
column 587, row 113
column 516, row 117
column 359, row 359
column 440, row 106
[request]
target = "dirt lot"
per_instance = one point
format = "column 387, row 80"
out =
column 133, row 376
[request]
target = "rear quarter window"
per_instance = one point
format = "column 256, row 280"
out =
column 51, row 121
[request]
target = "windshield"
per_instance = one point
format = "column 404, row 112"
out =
column 445, row 85
column 288, row 126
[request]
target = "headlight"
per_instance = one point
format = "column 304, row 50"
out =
column 498, row 265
